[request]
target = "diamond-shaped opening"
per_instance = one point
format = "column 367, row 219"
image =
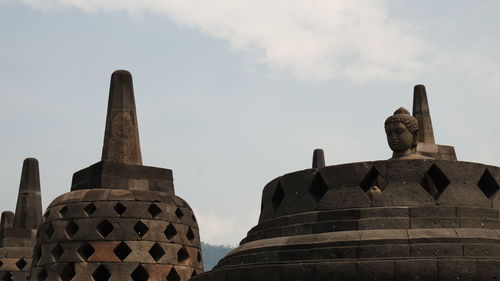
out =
column 373, row 178
column 182, row 255
column 190, row 234
column 119, row 208
column 435, row 181
column 140, row 274
column 198, row 257
column 179, row 213
column 57, row 252
column 42, row 275
column 154, row 210
column 170, row 231
column 278, row 196
column 101, row 274
column 156, row 252
column 21, row 264
column 86, row 250
column 71, row 229
column 141, row 229
column 89, row 209
column 63, row 211
column 7, row 277
column 50, row 230
column 122, row 251
column 173, row 276
column 105, row 228
column 68, row 272
column 37, row 254
column 318, row 187
column 193, row 274
column 488, row 184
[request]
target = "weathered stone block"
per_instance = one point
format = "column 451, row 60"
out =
column 452, row 270
column 375, row 270
column 416, row 270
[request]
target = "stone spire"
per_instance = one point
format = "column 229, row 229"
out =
column 6, row 222
column 426, row 145
column 422, row 113
column 121, row 163
column 29, row 202
column 121, row 138
column 318, row 158
column 122, row 220
column 18, row 231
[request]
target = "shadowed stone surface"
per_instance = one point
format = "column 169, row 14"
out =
column 18, row 231
column 29, row 202
column 115, row 175
column 318, row 158
column 122, row 220
column 422, row 113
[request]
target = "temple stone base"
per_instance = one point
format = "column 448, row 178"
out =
column 431, row 220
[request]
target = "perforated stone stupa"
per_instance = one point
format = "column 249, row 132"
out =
column 428, row 217
column 18, row 231
column 121, row 221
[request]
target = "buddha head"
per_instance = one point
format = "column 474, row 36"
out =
column 402, row 129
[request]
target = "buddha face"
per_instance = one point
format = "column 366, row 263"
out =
column 400, row 139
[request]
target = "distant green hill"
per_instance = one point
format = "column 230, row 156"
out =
column 212, row 254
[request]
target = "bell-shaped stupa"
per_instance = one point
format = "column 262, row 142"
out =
column 18, row 231
column 422, row 215
column 121, row 221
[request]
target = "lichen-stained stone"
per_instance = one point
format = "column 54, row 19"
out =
column 121, row 221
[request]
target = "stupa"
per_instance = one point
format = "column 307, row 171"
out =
column 421, row 215
column 121, row 221
column 18, row 231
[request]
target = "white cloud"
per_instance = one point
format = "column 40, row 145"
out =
column 224, row 229
column 315, row 39
column 473, row 67
column 479, row 68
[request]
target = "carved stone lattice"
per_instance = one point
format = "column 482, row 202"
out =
column 435, row 181
column 488, row 184
column 278, row 196
column 318, row 188
column 371, row 179
column 429, row 220
column 122, row 220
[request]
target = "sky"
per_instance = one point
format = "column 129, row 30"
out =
column 231, row 94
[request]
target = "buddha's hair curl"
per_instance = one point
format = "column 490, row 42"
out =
column 402, row 115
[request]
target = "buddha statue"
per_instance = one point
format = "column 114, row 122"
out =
column 402, row 130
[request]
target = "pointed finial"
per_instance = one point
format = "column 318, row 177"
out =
column 422, row 113
column 318, row 158
column 29, row 202
column 121, row 138
column 7, row 220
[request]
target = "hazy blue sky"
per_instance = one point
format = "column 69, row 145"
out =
column 233, row 93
